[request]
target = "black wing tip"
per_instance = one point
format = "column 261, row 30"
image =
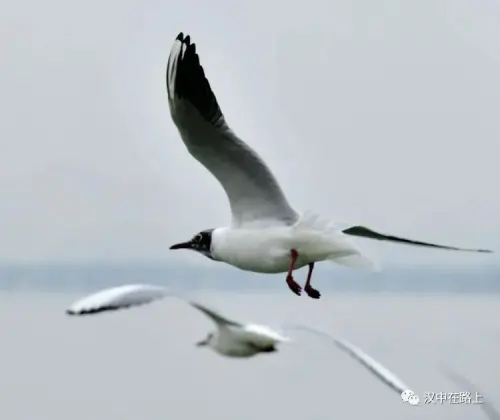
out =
column 184, row 39
column 93, row 311
column 482, row 251
column 190, row 82
column 363, row 231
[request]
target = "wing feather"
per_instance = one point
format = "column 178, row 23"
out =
column 373, row 366
column 365, row 232
column 253, row 192
column 116, row 298
column 214, row 316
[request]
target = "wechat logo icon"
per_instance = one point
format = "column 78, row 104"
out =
column 409, row 397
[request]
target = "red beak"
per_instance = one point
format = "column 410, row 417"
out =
column 182, row 245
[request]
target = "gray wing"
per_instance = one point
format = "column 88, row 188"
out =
column 461, row 381
column 214, row 316
column 365, row 232
column 253, row 192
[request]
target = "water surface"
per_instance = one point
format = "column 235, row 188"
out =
column 142, row 364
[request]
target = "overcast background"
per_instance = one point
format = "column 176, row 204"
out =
column 142, row 363
column 382, row 112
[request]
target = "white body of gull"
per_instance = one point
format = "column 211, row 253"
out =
column 231, row 338
column 266, row 234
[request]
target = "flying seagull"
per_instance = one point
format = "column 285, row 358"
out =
column 266, row 234
column 232, row 338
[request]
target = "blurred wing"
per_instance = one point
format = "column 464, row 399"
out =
column 461, row 381
column 364, row 232
column 214, row 316
column 373, row 366
column 117, row 298
column 253, row 192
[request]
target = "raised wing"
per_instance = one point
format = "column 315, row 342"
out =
column 365, row 232
column 253, row 192
column 116, row 298
column 214, row 316
column 373, row 366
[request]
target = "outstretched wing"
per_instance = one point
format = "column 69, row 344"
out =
column 373, row 366
column 365, row 232
column 253, row 192
column 116, row 298
column 214, row 316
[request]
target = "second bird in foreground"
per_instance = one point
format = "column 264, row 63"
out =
column 266, row 234
column 232, row 338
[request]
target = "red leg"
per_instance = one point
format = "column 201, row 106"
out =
column 292, row 284
column 312, row 293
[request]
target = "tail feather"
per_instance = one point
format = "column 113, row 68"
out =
column 328, row 238
column 356, row 261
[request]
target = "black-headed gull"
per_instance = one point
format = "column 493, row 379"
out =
column 266, row 234
column 231, row 338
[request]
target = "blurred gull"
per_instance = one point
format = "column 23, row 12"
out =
column 231, row 338
column 266, row 234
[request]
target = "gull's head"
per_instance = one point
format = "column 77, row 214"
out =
column 206, row 341
column 201, row 242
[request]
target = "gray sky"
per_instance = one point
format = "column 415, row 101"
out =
column 385, row 114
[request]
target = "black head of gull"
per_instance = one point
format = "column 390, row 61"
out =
column 201, row 242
